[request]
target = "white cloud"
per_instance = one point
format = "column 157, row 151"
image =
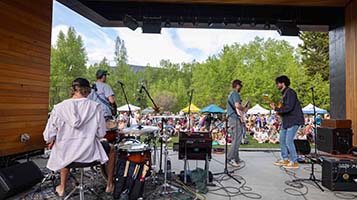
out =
column 211, row 41
column 98, row 44
column 146, row 49
column 151, row 48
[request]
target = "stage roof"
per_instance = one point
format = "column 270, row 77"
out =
column 316, row 15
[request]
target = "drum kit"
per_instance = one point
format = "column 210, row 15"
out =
column 137, row 144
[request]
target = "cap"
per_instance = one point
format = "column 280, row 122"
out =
column 100, row 73
column 81, row 82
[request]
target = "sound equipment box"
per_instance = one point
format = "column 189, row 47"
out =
column 336, row 123
column 334, row 141
column 197, row 145
column 17, row 178
column 339, row 175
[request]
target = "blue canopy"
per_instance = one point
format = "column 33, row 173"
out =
column 212, row 109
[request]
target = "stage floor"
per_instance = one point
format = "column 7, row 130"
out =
column 261, row 178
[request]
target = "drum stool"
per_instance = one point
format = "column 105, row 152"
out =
column 81, row 187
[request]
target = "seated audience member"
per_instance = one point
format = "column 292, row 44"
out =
column 300, row 135
column 75, row 129
column 274, row 137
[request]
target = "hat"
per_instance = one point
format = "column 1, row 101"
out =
column 81, row 82
column 100, row 73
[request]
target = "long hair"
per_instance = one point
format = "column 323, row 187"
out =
column 80, row 85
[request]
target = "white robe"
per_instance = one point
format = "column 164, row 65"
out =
column 76, row 126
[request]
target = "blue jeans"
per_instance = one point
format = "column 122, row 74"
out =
column 287, row 143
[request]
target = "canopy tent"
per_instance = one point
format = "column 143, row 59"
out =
column 147, row 110
column 257, row 109
column 212, row 109
column 309, row 109
column 125, row 108
column 194, row 109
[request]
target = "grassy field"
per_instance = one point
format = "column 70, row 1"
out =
column 252, row 143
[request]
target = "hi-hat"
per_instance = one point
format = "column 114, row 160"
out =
column 140, row 130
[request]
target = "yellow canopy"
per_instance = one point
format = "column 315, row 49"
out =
column 194, row 109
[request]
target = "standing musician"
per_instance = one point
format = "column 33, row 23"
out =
column 74, row 129
column 103, row 94
column 235, row 112
column 292, row 115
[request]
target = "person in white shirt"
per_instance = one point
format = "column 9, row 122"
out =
column 75, row 129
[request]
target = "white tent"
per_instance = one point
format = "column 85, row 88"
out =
column 309, row 109
column 257, row 109
column 125, row 108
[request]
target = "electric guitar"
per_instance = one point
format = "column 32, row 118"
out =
column 241, row 112
column 268, row 99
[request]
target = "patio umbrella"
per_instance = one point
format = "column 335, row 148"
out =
column 125, row 108
column 257, row 109
column 309, row 109
column 212, row 109
column 194, row 109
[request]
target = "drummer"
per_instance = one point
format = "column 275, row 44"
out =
column 103, row 94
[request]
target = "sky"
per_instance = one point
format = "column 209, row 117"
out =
column 174, row 44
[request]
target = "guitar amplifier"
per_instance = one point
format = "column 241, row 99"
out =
column 196, row 145
column 334, row 141
column 339, row 175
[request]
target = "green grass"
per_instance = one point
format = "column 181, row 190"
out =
column 252, row 143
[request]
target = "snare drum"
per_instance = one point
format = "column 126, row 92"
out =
column 111, row 124
column 134, row 151
column 112, row 135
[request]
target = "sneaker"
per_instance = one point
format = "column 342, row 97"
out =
column 233, row 163
column 281, row 162
column 292, row 165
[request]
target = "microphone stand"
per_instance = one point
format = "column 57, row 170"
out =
column 127, row 102
column 156, row 108
column 312, row 174
column 189, row 132
column 225, row 171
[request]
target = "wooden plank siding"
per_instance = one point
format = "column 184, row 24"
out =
column 351, row 66
column 25, row 48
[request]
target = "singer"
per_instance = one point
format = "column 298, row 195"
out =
column 292, row 115
column 103, row 94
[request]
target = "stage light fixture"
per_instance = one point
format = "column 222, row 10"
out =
column 181, row 21
column 239, row 23
column 252, row 22
column 288, row 29
column 130, row 22
column 267, row 26
column 225, row 22
column 167, row 24
column 195, row 21
column 210, row 23
column 152, row 25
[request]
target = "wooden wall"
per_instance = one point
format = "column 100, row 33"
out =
column 25, row 48
column 351, row 65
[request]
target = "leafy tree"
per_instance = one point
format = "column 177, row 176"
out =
column 68, row 61
column 315, row 53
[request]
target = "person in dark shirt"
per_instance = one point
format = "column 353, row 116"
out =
column 292, row 115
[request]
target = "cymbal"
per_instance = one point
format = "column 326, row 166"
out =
column 140, row 130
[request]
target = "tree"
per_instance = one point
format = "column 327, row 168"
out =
column 68, row 61
column 315, row 53
column 120, row 53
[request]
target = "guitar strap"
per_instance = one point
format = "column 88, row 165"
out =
column 102, row 100
column 231, row 105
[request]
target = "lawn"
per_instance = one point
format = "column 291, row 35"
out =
column 252, row 143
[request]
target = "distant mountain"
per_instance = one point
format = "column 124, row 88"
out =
column 136, row 68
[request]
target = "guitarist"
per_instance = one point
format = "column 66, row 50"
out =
column 235, row 110
column 103, row 94
column 292, row 115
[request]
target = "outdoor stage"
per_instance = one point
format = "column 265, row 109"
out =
column 259, row 173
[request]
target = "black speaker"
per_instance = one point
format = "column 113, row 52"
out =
column 335, row 141
column 17, row 178
column 302, row 147
column 339, row 175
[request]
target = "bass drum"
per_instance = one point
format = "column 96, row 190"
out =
column 134, row 151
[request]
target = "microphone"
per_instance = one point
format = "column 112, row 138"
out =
column 94, row 87
column 312, row 87
column 141, row 89
column 121, row 83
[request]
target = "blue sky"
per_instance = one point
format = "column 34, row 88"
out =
column 177, row 45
